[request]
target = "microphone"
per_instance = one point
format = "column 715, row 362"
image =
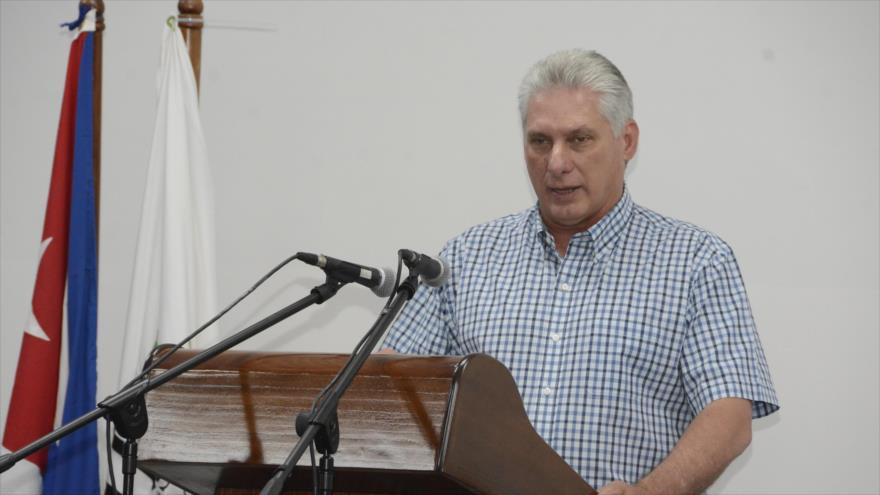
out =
column 434, row 272
column 380, row 281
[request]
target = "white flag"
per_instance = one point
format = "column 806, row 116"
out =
column 173, row 288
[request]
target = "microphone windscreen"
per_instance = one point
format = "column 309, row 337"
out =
column 441, row 277
column 386, row 285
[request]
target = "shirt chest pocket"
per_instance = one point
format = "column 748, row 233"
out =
column 646, row 332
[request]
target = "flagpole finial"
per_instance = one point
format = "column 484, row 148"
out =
column 190, row 13
column 190, row 21
column 194, row 7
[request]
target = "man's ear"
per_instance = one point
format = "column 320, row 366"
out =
column 630, row 136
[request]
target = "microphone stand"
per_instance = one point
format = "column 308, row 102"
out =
column 127, row 408
column 321, row 425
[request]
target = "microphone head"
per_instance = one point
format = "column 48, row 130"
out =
column 441, row 277
column 386, row 284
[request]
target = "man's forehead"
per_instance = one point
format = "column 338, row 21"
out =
column 579, row 94
column 564, row 109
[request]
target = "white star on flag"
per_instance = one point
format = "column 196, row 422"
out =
column 33, row 326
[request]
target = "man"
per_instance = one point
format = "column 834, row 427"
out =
column 629, row 334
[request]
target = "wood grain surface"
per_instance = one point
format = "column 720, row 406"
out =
column 241, row 407
column 408, row 424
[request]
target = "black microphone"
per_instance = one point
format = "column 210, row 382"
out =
column 434, row 272
column 380, row 281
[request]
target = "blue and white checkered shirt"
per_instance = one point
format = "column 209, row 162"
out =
column 615, row 347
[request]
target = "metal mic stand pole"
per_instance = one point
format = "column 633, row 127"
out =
column 127, row 408
column 323, row 425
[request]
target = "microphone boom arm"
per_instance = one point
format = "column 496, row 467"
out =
column 132, row 395
column 321, row 421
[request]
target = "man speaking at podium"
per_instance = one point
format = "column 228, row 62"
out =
column 629, row 334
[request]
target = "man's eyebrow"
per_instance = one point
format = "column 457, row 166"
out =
column 581, row 130
column 577, row 130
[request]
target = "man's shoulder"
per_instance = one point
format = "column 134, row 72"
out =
column 678, row 235
column 499, row 232
column 511, row 223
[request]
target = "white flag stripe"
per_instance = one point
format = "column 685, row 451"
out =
column 23, row 478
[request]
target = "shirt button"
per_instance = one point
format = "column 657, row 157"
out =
column 555, row 337
column 547, row 391
column 565, row 287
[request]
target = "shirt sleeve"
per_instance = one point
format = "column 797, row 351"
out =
column 722, row 355
column 427, row 323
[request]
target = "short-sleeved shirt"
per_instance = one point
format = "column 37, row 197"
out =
column 614, row 347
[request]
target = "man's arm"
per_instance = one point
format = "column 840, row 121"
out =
column 719, row 434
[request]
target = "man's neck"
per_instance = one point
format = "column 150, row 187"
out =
column 562, row 234
column 562, row 241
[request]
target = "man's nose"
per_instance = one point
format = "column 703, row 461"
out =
column 560, row 160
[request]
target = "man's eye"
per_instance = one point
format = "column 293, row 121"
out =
column 581, row 139
column 539, row 141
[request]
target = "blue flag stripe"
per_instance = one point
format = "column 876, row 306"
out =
column 73, row 462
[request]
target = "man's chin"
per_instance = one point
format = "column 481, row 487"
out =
column 565, row 217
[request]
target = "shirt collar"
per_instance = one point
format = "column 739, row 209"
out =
column 609, row 229
column 600, row 238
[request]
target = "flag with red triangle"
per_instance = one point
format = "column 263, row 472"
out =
column 68, row 260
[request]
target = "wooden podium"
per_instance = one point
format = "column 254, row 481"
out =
column 408, row 424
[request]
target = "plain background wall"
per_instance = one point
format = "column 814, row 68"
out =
column 359, row 128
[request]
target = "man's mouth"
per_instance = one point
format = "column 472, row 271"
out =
column 562, row 191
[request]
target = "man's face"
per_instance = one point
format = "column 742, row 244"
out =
column 575, row 162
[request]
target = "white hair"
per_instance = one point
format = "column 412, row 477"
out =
column 581, row 69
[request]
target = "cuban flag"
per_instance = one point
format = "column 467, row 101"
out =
column 68, row 259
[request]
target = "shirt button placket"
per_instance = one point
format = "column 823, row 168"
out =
column 563, row 297
column 559, row 316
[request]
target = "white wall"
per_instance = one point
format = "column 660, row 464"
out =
column 358, row 128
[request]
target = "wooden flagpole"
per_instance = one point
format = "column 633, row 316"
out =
column 190, row 22
column 98, row 5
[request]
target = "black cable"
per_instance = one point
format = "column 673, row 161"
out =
column 315, row 479
column 152, row 365
column 336, row 378
column 110, row 457
column 396, row 279
column 363, row 340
